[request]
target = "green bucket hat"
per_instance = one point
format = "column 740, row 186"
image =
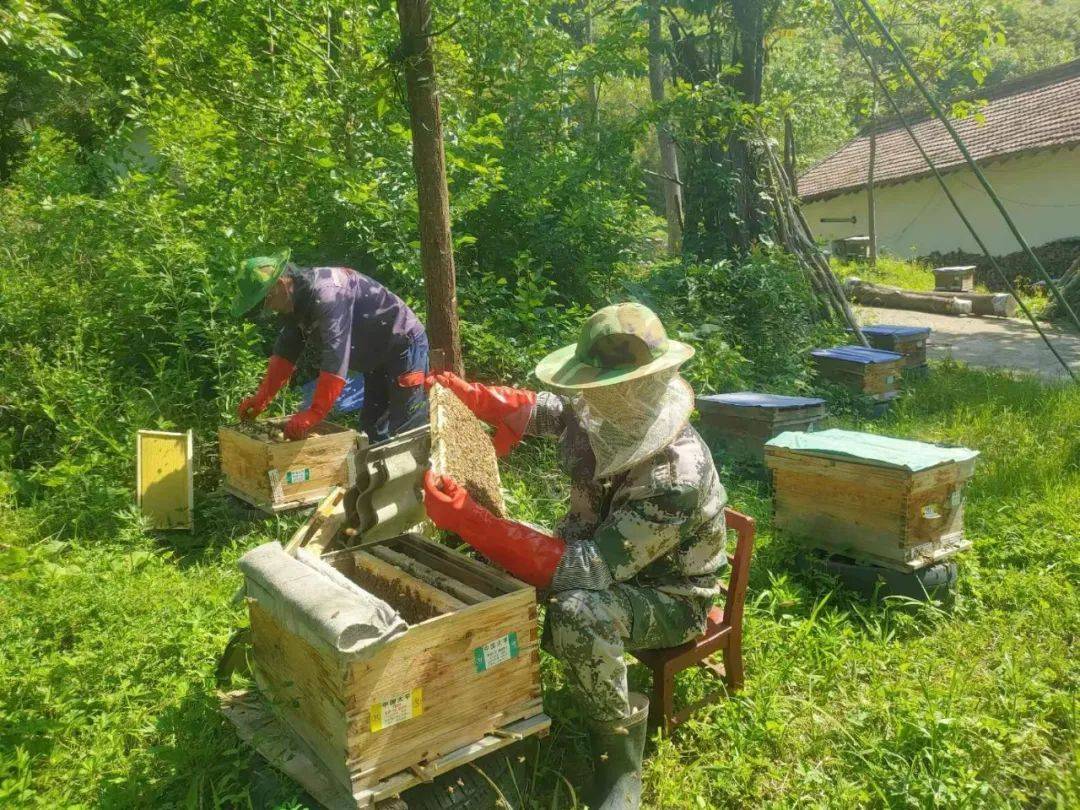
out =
column 618, row 343
column 254, row 279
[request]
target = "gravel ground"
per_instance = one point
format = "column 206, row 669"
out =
column 1009, row 343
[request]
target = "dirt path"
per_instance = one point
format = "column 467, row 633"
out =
column 988, row 342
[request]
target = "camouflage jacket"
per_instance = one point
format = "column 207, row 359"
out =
column 660, row 524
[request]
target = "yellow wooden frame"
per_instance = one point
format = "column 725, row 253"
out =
column 181, row 499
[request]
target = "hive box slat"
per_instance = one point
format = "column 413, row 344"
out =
column 279, row 475
column 862, row 507
column 458, row 689
column 743, row 421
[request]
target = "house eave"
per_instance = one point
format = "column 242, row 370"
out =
column 952, row 168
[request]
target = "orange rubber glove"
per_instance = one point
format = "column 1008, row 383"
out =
column 327, row 390
column 508, row 410
column 278, row 372
column 525, row 552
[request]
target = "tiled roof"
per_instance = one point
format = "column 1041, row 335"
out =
column 1038, row 111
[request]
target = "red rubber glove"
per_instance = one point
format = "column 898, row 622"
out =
column 278, row 371
column 528, row 554
column 508, row 410
column 327, row 390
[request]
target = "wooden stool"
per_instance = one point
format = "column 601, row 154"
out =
column 723, row 632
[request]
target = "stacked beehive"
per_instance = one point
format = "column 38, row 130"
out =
column 871, row 372
column 889, row 501
column 743, row 421
column 909, row 341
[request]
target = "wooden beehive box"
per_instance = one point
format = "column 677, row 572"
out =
column 264, row 469
column 466, row 670
column 910, row 341
column 890, row 501
column 955, row 279
column 743, row 421
column 872, row 372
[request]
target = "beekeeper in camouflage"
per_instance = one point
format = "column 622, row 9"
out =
column 634, row 563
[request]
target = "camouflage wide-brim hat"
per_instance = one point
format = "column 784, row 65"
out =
column 254, row 278
column 618, row 343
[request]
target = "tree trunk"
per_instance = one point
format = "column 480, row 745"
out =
column 669, row 159
column 429, row 162
column 874, row 295
column 749, row 18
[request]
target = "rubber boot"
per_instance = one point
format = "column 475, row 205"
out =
column 617, row 750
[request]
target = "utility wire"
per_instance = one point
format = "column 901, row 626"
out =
column 944, row 187
column 899, row 52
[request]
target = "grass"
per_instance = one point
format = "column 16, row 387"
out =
column 110, row 641
column 889, row 271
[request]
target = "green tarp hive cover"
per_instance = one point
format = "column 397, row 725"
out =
column 900, row 453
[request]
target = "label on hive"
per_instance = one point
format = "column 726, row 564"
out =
column 397, row 709
column 298, row 476
column 496, row 652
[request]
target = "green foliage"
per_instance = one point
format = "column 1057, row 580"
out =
column 750, row 321
column 906, row 275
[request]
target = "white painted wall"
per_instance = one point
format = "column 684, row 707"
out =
column 1041, row 191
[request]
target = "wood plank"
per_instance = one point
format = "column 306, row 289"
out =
column 856, row 469
column 481, row 576
column 536, row 725
column 256, row 725
column 460, row 703
column 280, row 475
column 914, row 562
column 316, row 463
column 440, row 600
column 443, row 582
column 304, row 686
column 244, row 464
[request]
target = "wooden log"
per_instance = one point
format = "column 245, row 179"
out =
column 874, row 295
column 1000, row 305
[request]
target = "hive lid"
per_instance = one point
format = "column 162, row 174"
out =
column 884, row 450
column 857, row 354
column 891, row 330
column 753, row 399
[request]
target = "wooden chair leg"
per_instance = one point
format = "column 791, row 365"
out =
column 733, row 665
column 662, row 702
column 668, row 700
column 656, row 701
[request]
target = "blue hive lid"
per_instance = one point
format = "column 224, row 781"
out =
column 753, row 399
column 858, row 354
column 885, row 329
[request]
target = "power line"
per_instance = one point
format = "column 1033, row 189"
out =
column 899, row 53
column 948, row 193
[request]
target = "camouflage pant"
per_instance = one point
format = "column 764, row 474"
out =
column 590, row 630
